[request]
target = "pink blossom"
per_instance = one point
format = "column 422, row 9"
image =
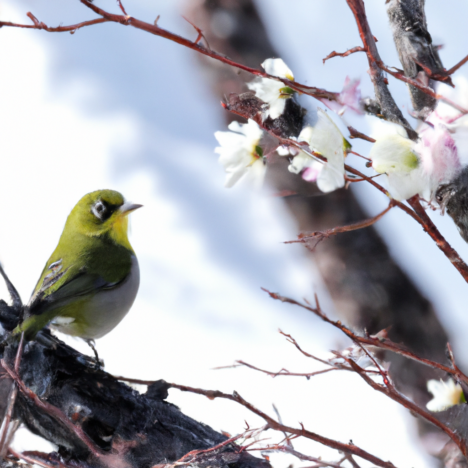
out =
column 311, row 173
column 349, row 98
column 438, row 154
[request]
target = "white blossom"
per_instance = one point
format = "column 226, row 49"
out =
column 324, row 138
column 414, row 167
column 446, row 394
column 393, row 154
column 273, row 92
column 240, row 152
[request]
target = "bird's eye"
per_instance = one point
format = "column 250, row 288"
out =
column 99, row 210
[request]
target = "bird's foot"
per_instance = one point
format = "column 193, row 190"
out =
column 99, row 363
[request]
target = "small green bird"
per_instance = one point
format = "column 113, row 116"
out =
column 91, row 280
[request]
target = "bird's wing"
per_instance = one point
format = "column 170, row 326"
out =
column 61, row 286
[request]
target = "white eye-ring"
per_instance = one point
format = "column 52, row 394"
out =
column 99, row 209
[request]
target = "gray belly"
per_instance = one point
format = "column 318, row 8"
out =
column 104, row 311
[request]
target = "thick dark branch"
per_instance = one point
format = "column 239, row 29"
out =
column 390, row 110
column 417, row 54
column 100, row 422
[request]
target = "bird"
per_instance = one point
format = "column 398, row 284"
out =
column 92, row 278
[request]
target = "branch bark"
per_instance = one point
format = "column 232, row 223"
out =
column 417, row 54
column 99, row 421
column 389, row 109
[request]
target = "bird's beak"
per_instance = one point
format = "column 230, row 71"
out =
column 127, row 208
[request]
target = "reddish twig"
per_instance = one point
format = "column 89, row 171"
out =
column 353, row 133
column 303, row 146
column 343, row 54
column 127, row 20
column 189, row 457
column 368, row 340
column 353, row 180
column 53, row 411
column 388, row 105
column 200, row 33
column 352, row 461
column 363, row 157
column 419, row 216
column 5, row 436
column 319, row 462
column 457, row 66
column 321, row 235
column 273, row 424
column 377, row 65
column 443, row 245
column 390, row 391
column 285, row 372
column 122, row 9
column 40, row 25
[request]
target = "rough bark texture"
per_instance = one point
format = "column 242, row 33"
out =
column 369, row 289
column 127, row 428
column 388, row 107
column 417, row 54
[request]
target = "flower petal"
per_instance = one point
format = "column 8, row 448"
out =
column 277, row 67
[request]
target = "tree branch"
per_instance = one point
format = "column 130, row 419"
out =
column 273, row 424
column 390, row 110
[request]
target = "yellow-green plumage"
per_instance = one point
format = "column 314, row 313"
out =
column 91, row 279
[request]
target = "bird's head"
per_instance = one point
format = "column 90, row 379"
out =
column 103, row 212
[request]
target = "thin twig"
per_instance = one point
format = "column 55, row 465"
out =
column 273, row 424
column 440, row 241
column 353, row 133
column 122, row 9
column 352, row 461
column 418, row 214
column 53, row 411
column 388, row 389
column 343, row 54
column 153, row 28
column 285, row 372
column 390, row 110
column 5, row 435
column 368, row 340
column 41, row 26
column 321, row 235
column 389, row 107
column 319, row 462
column 363, row 157
column 457, row 66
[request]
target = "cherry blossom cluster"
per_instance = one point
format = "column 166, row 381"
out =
column 410, row 167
